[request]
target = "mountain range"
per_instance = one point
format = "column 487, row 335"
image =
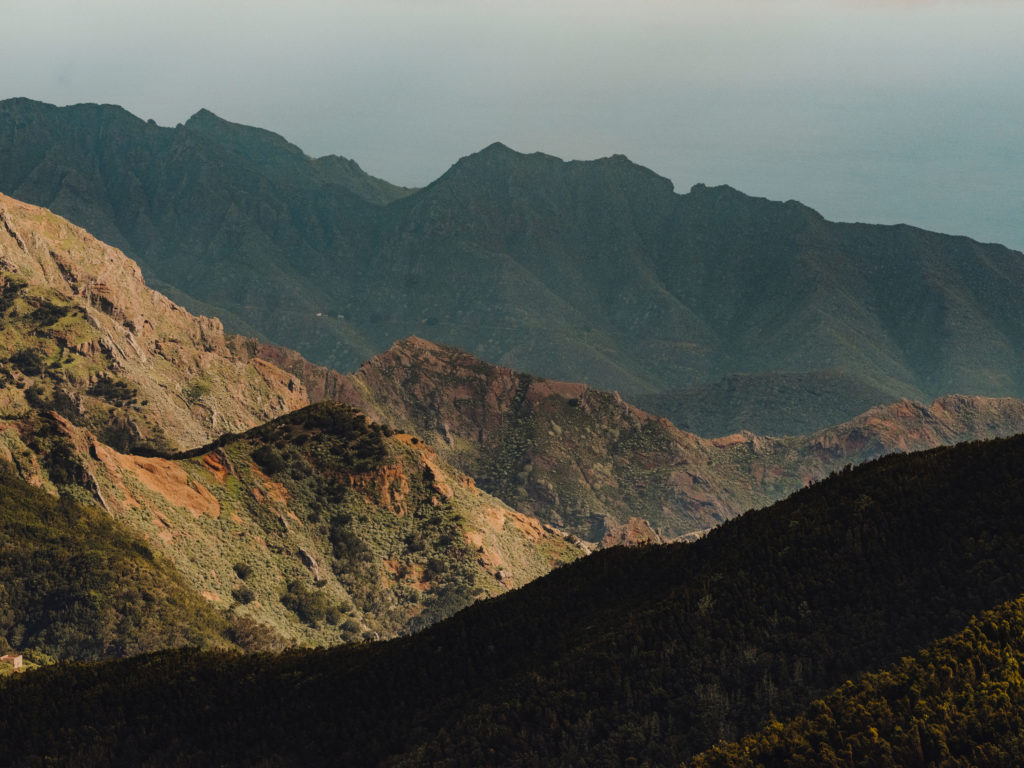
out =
column 593, row 271
column 185, row 497
column 454, row 480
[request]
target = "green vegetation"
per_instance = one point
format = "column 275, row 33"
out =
column 196, row 390
column 10, row 288
column 41, row 332
column 326, row 529
column 48, row 313
column 315, row 453
column 242, row 570
column 75, row 584
column 309, row 605
column 959, row 702
column 649, row 655
column 29, row 361
column 114, row 391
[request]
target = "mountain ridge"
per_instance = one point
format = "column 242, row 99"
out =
column 593, row 271
column 588, row 461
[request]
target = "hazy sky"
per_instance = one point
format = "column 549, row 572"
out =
column 872, row 110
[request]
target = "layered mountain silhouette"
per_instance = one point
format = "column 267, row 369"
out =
column 583, row 271
column 647, row 655
column 164, row 484
column 586, row 460
column 454, row 480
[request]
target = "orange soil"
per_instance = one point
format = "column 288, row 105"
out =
column 164, row 478
column 215, row 462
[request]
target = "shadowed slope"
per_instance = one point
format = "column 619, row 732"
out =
column 651, row 653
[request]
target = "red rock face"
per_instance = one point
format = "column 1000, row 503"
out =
column 633, row 533
column 319, row 383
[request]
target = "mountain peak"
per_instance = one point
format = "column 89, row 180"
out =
column 498, row 147
column 257, row 143
column 496, row 153
column 204, row 115
column 415, row 344
column 504, row 169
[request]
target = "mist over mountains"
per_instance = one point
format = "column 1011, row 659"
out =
column 583, row 271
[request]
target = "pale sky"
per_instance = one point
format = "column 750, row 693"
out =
column 867, row 110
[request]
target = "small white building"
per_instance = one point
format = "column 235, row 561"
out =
column 16, row 661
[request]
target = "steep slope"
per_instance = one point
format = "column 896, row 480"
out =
column 76, row 584
column 586, row 460
column 585, row 271
column 648, row 654
column 320, row 526
column 81, row 333
column 97, row 366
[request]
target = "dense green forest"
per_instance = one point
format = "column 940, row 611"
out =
column 75, row 584
column 628, row 657
column 958, row 703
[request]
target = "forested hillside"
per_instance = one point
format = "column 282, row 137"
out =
column 960, row 702
column 649, row 654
